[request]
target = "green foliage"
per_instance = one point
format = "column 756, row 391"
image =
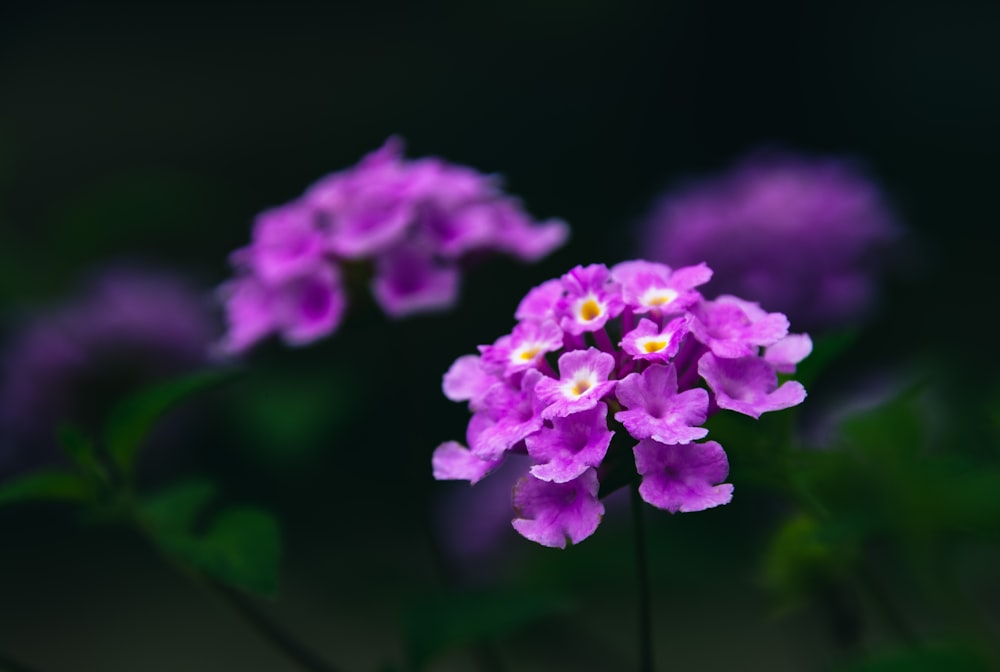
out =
column 80, row 448
column 283, row 416
column 801, row 557
column 889, row 478
column 47, row 485
column 929, row 658
column 132, row 419
column 435, row 626
column 240, row 546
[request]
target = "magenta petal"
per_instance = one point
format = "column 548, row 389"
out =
column 684, row 477
column 453, row 462
column 509, row 415
column 249, row 312
column 540, row 303
column 583, row 381
column 649, row 342
column 788, row 352
column 310, row 307
column 531, row 242
column 286, row 243
column 748, row 385
column 467, row 381
column 409, row 281
column 571, row 445
column 656, row 410
column 553, row 513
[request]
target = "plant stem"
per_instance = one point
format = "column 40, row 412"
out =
column 864, row 581
column 297, row 652
column 280, row 638
column 642, row 575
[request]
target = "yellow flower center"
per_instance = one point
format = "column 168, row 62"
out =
column 590, row 310
column 528, row 354
column 654, row 346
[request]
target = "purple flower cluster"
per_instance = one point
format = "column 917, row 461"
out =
column 632, row 351
column 803, row 236
column 414, row 220
column 127, row 327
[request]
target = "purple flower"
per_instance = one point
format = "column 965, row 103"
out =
column 683, row 477
column 467, row 380
column 748, row 385
column 731, row 327
column 413, row 221
column 648, row 286
column 286, row 244
column 409, row 280
column 302, row 309
column 583, row 380
column 649, row 342
column 454, row 462
column 509, row 415
column 540, row 303
column 128, row 327
column 591, row 299
column 803, row 236
column 553, row 513
column 654, row 380
column 524, row 348
column 788, row 352
column 657, row 411
column 571, row 445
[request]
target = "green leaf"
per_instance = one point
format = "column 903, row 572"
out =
column 47, row 485
column 81, row 450
column 132, row 419
column 240, row 546
column 451, row 621
column 173, row 511
column 802, row 557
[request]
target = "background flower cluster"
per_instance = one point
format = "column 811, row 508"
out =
column 414, row 221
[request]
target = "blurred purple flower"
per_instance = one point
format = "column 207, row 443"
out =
column 127, row 327
column 802, row 236
column 413, row 221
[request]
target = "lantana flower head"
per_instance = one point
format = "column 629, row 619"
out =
column 413, row 222
column 612, row 368
column 127, row 327
column 803, row 236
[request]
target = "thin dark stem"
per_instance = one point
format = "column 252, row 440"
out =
column 880, row 600
column 293, row 649
column 278, row 637
column 863, row 578
column 8, row 664
column 642, row 574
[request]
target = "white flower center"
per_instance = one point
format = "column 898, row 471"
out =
column 581, row 382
